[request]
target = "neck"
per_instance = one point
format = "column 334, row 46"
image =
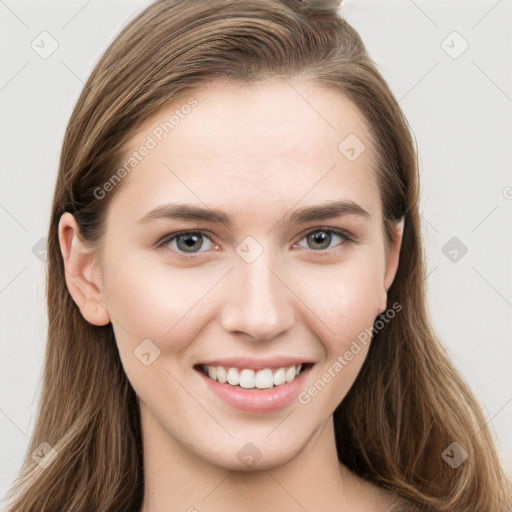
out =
column 176, row 479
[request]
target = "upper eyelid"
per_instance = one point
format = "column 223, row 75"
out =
column 328, row 229
column 171, row 236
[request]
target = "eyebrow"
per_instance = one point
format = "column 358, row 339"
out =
column 192, row 212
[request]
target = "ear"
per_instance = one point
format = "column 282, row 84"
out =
column 392, row 259
column 83, row 277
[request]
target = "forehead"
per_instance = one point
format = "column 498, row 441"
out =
column 279, row 141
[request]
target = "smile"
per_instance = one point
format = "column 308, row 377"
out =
column 248, row 378
column 256, row 390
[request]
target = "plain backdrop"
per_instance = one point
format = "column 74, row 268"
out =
column 449, row 65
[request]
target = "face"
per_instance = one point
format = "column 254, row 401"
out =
column 285, row 265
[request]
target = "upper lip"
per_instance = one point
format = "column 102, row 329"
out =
column 251, row 362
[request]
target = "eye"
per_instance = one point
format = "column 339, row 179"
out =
column 321, row 238
column 187, row 242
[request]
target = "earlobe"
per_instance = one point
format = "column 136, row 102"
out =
column 383, row 302
column 83, row 278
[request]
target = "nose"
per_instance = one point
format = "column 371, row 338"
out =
column 259, row 302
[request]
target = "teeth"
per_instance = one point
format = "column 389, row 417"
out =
column 233, row 376
column 264, row 379
column 279, row 377
column 290, row 374
column 248, row 378
column 222, row 375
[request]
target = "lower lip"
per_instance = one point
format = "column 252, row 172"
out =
column 257, row 400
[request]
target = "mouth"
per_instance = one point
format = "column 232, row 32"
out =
column 251, row 378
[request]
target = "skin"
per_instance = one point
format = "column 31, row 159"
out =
column 258, row 153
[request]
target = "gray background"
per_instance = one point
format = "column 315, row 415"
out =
column 459, row 105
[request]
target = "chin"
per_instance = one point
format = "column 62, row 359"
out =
column 247, row 456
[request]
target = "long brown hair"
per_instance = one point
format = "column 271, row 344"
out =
column 408, row 403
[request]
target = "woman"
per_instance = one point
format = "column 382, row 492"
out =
column 236, row 284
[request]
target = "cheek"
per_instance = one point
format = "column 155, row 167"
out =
column 156, row 301
column 344, row 298
column 165, row 306
column 345, row 311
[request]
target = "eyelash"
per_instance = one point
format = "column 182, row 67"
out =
column 170, row 237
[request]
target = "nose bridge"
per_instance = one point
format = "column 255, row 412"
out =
column 258, row 302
